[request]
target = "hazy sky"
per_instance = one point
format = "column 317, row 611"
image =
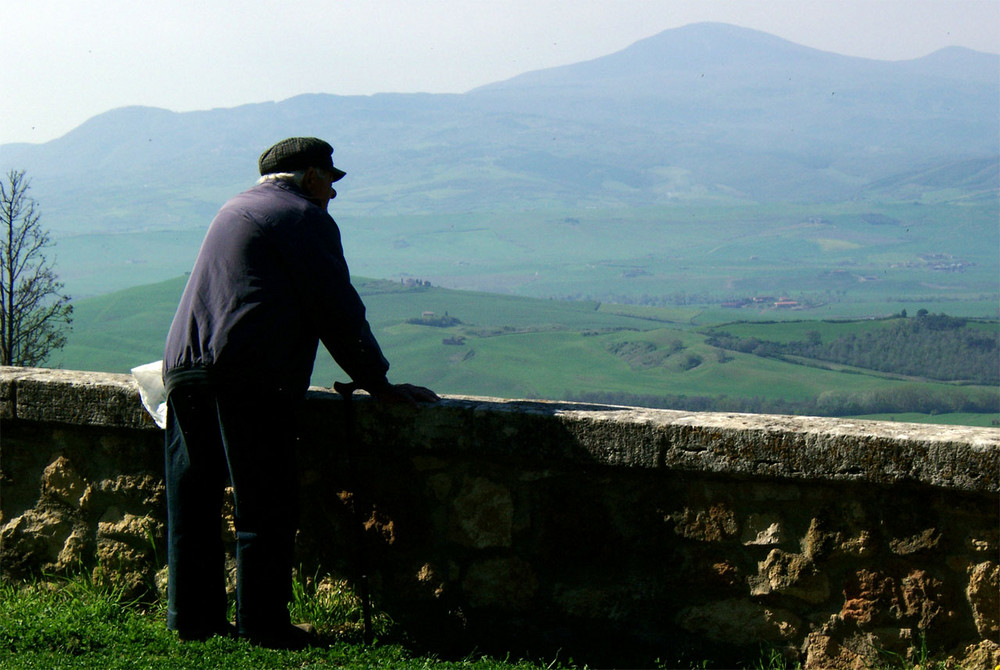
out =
column 64, row 61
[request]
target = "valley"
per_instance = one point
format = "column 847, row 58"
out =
column 518, row 347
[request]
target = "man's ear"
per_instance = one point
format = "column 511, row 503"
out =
column 309, row 177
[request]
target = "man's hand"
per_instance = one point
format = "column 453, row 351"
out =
column 405, row 394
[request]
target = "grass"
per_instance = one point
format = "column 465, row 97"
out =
column 984, row 420
column 791, row 331
column 74, row 623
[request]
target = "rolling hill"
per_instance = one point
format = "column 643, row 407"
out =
column 514, row 347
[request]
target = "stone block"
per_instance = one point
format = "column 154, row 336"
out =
column 40, row 540
column 928, row 540
column 72, row 397
column 823, row 651
column 871, row 598
column 61, row 481
column 714, row 524
column 482, row 514
column 740, row 621
column 761, row 529
column 927, row 601
column 983, row 593
column 793, row 575
column 508, row 583
column 985, row 654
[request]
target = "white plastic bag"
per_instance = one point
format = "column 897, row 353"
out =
column 151, row 391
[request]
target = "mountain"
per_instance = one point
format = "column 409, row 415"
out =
column 707, row 111
column 767, row 118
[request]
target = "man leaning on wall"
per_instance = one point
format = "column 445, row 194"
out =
column 270, row 282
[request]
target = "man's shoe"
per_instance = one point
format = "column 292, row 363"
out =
column 298, row 636
column 201, row 634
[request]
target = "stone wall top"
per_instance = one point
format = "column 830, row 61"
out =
column 71, row 396
column 747, row 445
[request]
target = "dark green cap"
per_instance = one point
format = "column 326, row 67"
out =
column 299, row 153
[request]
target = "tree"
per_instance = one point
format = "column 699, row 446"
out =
column 33, row 309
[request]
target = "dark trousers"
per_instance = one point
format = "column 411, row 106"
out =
column 214, row 437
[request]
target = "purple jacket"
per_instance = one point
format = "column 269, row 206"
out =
column 269, row 284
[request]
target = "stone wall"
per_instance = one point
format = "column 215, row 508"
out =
column 617, row 535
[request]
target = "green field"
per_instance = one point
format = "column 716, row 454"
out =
column 608, row 305
column 985, row 420
column 852, row 259
column 511, row 346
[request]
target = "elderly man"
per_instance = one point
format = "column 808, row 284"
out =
column 269, row 284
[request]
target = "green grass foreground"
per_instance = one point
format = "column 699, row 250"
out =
column 73, row 623
column 77, row 623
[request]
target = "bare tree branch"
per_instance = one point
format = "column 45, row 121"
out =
column 34, row 312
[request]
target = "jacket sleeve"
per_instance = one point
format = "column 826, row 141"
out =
column 332, row 303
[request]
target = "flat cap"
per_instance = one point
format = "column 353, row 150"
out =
column 299, row 153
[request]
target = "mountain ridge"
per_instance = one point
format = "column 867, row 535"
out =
column 703, row 111
column 696, row 45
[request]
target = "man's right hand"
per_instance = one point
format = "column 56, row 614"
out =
column 404, row 394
